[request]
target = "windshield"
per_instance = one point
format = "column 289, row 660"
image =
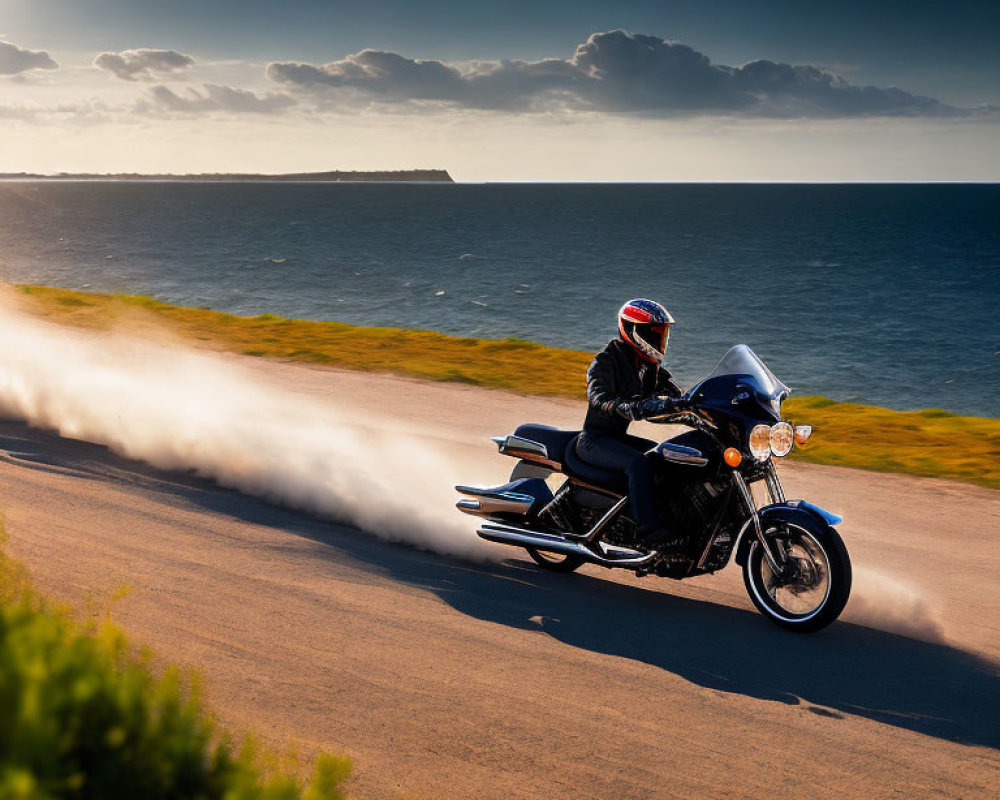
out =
column 743, row 362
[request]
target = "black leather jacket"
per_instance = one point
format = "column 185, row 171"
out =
column 615, row 377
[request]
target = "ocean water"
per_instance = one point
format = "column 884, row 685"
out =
column 885, row 294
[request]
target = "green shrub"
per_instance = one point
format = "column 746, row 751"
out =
column 83, row 716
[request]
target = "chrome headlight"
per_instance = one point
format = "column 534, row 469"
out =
column 782, row 437
column 760, row 442
column 767, row 439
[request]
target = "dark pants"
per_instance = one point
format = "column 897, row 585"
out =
column 625, row 454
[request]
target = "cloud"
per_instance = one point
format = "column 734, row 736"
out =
column 143, row 65
column 612, row 71
column 14, row 59
column 392, row 77
column 213, row 98
column 89, row 112
column 379, row 73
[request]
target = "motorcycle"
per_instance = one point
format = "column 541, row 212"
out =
column 707, row 480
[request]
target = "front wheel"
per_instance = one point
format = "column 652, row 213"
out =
column 813, row 588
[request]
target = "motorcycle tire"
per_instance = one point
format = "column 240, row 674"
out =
column 553, row 562
column 822, row 585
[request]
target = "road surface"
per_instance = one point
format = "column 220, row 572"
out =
column 445, row 678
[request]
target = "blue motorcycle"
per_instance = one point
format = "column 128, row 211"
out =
column 716, row 484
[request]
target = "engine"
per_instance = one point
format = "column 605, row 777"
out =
column 693, row 509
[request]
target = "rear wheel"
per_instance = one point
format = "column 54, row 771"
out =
column 813, row 589
column 555, row 562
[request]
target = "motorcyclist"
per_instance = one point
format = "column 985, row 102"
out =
column 626, row 382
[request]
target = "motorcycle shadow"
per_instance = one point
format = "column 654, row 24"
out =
column 846, row 669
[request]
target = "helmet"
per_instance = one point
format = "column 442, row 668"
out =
column 645, row 325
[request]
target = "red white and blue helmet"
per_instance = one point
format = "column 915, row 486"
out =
column 645, row 325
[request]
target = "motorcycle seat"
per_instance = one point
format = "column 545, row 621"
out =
column 576, row 467
column 555, row 439
column 561, row 447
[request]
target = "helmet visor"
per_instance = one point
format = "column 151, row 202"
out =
column 654, row 336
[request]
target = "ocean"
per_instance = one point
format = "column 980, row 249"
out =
column 882, row 294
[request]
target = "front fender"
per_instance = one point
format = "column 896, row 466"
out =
column 800, row 512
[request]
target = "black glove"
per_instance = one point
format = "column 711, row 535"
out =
column 653, row 407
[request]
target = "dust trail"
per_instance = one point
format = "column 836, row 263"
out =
column 885, row 603
column 179, row 409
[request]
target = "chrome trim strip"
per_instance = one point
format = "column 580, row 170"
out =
column 592, row 486
column 679, row 454
column 527, row 449
column 479, row 491
column 531, row 458
column 520, row 444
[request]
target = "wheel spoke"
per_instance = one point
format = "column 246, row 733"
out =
column 807, row 588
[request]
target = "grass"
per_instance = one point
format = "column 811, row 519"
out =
column 930, row 443
column 514, row 364
column 85, row 716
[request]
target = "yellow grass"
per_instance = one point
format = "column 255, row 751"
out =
column 930, row 443
column 507, row 364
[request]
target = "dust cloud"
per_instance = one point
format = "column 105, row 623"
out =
column 887, row 604
column 180, row 409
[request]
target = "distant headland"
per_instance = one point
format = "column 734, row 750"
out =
column 420, row 175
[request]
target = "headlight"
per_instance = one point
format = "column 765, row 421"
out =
column 782, row 437
column 760, row 442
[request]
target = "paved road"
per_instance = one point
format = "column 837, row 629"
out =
column 446, row 678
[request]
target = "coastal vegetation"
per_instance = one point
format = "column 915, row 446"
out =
column 85, row 715
column 930, row 442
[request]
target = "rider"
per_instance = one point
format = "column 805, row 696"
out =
column 626, row 382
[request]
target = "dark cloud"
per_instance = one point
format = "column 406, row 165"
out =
column 143, row 65
column 213, row 98
column 611, row 71
column 13, row 59
column 378, row 73
column 783, row 89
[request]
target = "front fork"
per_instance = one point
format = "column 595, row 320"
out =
column 774, row 556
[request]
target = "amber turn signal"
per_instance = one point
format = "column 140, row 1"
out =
column 732, row 457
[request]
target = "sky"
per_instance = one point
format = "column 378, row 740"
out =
column 633, row 90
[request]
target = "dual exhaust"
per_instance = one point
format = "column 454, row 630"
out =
column 598, row 553
column 494, row 502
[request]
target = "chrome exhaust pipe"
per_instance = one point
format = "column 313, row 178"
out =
column 485, row 507
column 553, row 543
column 485, row 502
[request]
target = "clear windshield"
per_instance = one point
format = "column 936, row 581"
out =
column 744, row 362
